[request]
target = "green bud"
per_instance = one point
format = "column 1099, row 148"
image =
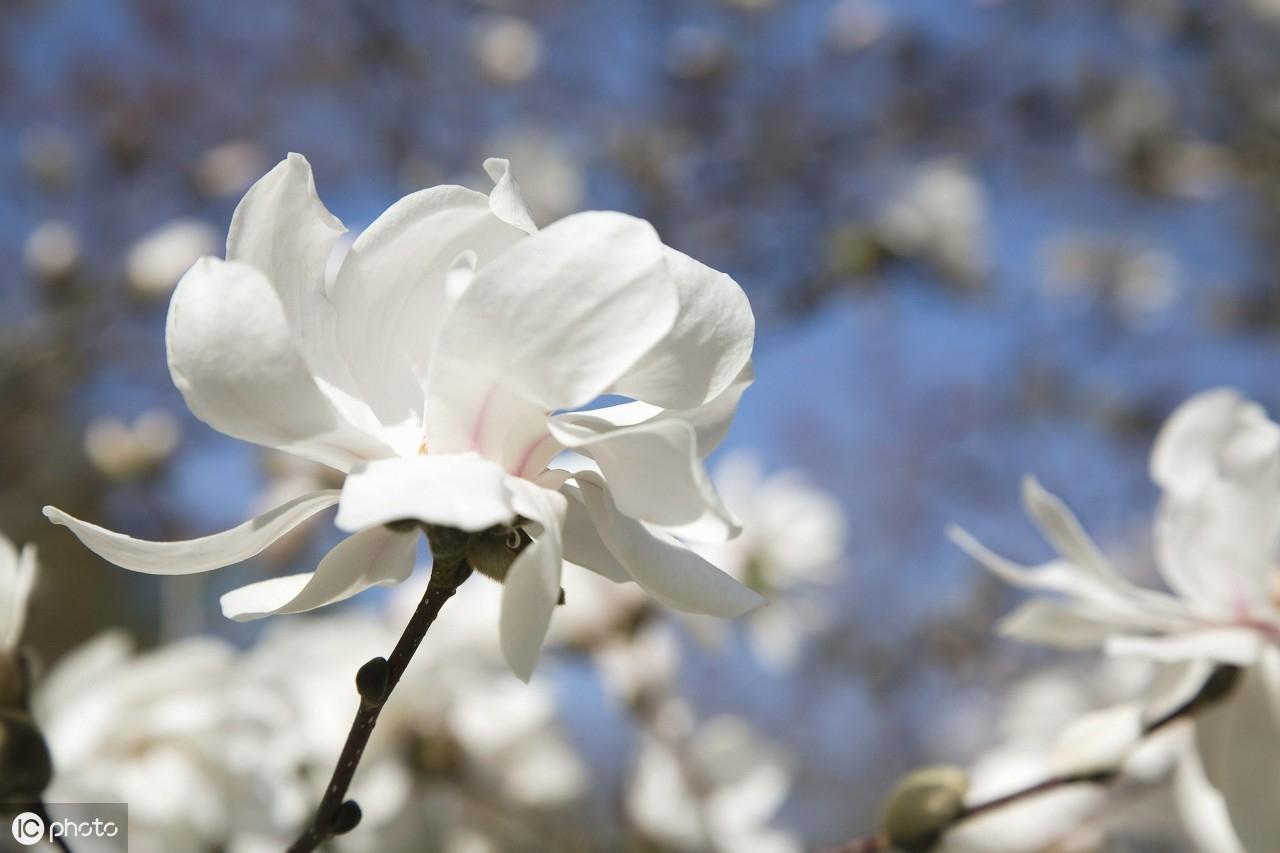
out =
column 447, row 543
column 491, row 552
column 922, row 806
column 25, row 765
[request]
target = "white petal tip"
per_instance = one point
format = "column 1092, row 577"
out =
column 522, row 670
column 496, row 167
column 965, row 541
column 751, row 600
column 1032, row 491
column 235, row 613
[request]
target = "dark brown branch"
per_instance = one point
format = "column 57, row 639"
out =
column 1218, row 686
column 375, row 681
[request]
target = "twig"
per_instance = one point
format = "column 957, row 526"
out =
column 375, row 681
column 1215, row 688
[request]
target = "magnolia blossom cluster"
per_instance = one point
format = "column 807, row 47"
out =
column 215, row 747
column 1216, row 535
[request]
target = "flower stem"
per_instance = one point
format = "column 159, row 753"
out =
column 375, row 681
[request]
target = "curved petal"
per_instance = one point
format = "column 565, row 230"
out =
column 506, row 201
column 282, row 228
column 1129, row 608
column 1184, row 457
column 653, row 470
column 1098, row 741
column 232, row 355
column 707, row 347
column 375, row 557
column 710, row 421
column 1238, row 741
column 1236, row 646
column 1065, row 533
column 668, row 571
column 196, row 555
column 550, row 324
column 17, row 578
column 391, row 292
column 459, row 490
column 1217, row 550
column 582, row 543
column 532, row 586
column 1054, row 624
column 1201, row 809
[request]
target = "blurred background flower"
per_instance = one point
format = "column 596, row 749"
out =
column 980, row 238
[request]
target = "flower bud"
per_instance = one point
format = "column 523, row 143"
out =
column 373, row 681
column 25, row 765
column 922, row 806
column 491, row 552
column 347, row 818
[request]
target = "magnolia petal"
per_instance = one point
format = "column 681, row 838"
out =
column 282, row 228
column 232, row 355
column 1054, row 624
column 392, row 291
column 1236, row 646
column 664, row 568
column 374, row 557
column 1066, row 534
column 1184, row 457
column 1218, row 549
column 582, row 543
column 705, row 350
column 1238, row 742
column 460, row 275
column 506, row 201
column 1098, row 741
column 532, row 586
column 1124, row 607
column 459, row 490
column 710, row 421
column 1201, row 809
column 653, row 469
column 196, row 555
column 17, row 578
column 548, row 325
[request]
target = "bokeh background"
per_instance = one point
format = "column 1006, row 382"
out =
column 981, row 239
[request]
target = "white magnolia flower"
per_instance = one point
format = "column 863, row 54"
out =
column 1217, row 538
column 1051, row 725
column 169, row 732
column 17, row 577
column 507, row 48
column 124, row 451
column 792, row 540
column 213, row 748
column 512, row 736
column 716, row 786
column 159, row 258
column 439, row 371
column 52, row 252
